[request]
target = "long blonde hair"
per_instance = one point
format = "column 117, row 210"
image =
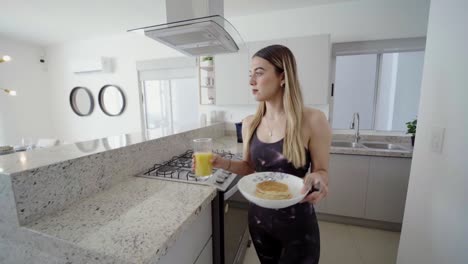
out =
column 284, row 62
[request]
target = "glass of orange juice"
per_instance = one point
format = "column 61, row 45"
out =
column 202, row 150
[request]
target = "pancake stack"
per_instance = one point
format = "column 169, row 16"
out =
column 272, row 190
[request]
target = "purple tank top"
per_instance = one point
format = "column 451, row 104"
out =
column 269, row 157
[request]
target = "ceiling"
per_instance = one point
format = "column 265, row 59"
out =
column 248, row 7
column 53, row 21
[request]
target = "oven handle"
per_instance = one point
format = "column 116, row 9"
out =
column 230, row 192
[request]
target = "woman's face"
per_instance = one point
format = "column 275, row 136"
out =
column 265, row 81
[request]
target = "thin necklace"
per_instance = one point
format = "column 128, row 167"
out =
column 269, row 128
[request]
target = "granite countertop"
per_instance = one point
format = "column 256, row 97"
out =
column 137, row 219
column 134, row 221
column 408, row 153
column 230, row 143
column 39, row 157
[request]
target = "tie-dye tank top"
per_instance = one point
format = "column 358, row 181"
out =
column 269, row 157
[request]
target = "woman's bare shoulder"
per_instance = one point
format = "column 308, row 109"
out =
column 314, row 117
column 247, row 120
column 316, row 125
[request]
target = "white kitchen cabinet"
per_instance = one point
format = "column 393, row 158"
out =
column 348, row 176
column 206, row 255
column 367, row 187
column 387, row 188
column 312, row 55
column 321, row 207
column 192, row 243
column 232, row 79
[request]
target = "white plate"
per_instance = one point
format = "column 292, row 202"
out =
column 248, row 184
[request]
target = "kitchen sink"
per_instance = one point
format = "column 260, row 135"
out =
column 385, row 146
column 345, row 144
column 370, row 145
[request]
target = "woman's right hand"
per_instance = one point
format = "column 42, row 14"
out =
column 216, row 160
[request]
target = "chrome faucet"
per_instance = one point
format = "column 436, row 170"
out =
column 357, row 137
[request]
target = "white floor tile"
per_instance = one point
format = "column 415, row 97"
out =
column 337, row 245
column 376, row 246
column 350, row 244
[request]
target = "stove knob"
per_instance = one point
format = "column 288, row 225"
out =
column 220, row 179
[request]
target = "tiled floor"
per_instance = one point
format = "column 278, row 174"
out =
column 351, row 245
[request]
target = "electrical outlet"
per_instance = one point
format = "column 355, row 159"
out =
column 437, row 139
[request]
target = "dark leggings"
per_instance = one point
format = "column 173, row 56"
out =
column 288, row 235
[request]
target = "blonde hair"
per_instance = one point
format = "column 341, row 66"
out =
column 283, row 61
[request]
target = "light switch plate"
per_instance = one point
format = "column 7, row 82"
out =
column 437, row 139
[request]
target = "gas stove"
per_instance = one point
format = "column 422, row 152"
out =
column 179, row 168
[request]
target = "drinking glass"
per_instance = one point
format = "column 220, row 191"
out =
column 202, row 150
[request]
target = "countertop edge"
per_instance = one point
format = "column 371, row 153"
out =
column 176, row 235
column 371, row 152
column 169, row 241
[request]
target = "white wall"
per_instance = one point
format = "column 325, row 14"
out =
column 27, row 114
column 346, row 21
column 435, row 228
column 125, row 49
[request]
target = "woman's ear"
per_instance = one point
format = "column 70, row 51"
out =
column 282, row 83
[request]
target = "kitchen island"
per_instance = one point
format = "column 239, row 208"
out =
column 66, row 205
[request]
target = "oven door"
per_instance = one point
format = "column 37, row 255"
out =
column 236, row 236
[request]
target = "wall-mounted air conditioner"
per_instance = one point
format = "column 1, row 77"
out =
column 96, row 64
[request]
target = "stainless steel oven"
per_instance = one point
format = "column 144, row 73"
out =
column 231, row 238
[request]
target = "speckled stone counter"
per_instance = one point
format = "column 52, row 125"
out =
column 43, row 182
column 81, row 203
column 134, row 221
column 372, row 152
column 230, row 142
column 403, row 141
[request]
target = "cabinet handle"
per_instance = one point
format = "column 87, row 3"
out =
column 226, row 208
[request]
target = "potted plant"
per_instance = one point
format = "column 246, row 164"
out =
column 411, row 125
column 207, row 61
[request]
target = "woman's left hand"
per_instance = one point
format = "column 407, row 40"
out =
column 312, row 180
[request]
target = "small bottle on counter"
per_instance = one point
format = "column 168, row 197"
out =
column 203, row 119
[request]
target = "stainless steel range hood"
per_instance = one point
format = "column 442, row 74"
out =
column 196, row 36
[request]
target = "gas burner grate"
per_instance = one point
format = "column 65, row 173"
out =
column 180, row 167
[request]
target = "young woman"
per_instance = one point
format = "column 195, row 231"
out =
column 283, row 136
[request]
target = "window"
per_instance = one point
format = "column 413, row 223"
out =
column 383, row 87
column 170, row 103
column 170, row 93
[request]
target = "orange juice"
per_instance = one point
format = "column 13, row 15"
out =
column 203, row 166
